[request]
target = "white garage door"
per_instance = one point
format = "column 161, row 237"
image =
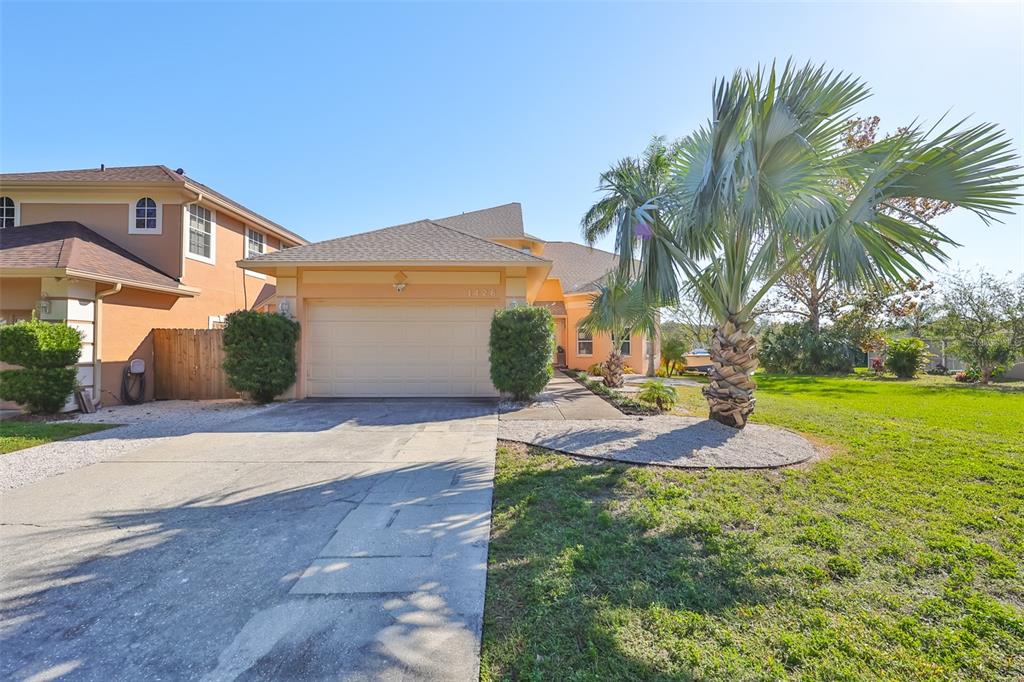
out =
column 398, row 351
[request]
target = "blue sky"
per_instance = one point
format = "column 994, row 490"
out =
column 337, row 118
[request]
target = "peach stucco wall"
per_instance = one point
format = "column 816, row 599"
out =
column 576, row 309
column 110, row 220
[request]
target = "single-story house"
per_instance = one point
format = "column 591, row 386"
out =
column 406, row 310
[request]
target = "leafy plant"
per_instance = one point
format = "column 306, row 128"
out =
column 522, row 341
column 906, row 357
column 768, row 184
column 596, row 369
column 259, row 351
column 798, row 349
column 617, row 309
column 657, row 393
column 985, row 318
column 967, row 376
column 45, row 352
column 878, row 366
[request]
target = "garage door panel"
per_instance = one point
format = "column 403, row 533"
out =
column 383, row 351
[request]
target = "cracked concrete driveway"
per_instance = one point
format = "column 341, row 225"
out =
column 316, row 540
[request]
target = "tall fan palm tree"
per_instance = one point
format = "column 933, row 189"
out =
column 618, row 309
column 767, row 183
column 630, row 185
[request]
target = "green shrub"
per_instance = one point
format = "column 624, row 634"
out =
column 38, row 389
column 906, row 357
column 797, row 349
column 44, row 352
column 40, row 344
column 657, row 393
column 259, row 351
column 522, row 344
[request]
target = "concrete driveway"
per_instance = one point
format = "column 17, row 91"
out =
column 316, row 540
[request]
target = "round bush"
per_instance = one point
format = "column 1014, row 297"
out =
column 522, row 344
column 40, row 344
column 259, row 351
column 906, row 357
column 38, row 389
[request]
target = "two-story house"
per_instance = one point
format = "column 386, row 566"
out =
column 118, row 252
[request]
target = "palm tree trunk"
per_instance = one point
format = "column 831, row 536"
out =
column 613, row 370
column 651, row 369
column 733, row 360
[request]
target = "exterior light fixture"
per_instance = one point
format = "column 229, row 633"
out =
column 399, row 284
column 44, row 304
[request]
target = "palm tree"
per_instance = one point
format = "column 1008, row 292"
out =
column 630, row 185
column 757, row 190
column 619, row 309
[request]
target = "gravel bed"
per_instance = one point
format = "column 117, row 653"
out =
column 142, row 426
column 683, row 442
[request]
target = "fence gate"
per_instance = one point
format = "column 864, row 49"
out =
column 187, row 365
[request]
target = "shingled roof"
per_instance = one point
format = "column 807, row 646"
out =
column 580, row 268
column 140, row 175
column 500, row 221
column 73, row 246
column 421, row 241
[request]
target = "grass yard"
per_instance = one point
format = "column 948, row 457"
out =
column 899, row 556
column 18, row 435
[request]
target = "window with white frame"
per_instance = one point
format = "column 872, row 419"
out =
column 255, row 243
column 200, row 232
column 623, row 343
column 147, row 217
column 584, row 342
column 7, row 212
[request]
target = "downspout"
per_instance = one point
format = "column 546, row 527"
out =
column 97, row 341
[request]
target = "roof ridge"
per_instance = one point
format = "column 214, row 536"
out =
column 486, row 241
column 174, row 176
column 360, row 234
column 61, row 260
column 480, row 210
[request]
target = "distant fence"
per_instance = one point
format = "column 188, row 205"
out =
column 187, row 365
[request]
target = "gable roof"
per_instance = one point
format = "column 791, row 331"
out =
column 420, row 241
column 72, row 246
column 140, row 175
column 499, row 221
column 580, row 268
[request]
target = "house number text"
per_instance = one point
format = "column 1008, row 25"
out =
column 482, row 292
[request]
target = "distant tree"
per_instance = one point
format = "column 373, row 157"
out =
column 984, row 317
column 811, row 291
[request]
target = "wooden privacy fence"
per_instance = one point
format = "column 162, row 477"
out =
column 187, row 365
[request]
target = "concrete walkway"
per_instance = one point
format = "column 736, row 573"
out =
column 315, row 540
column 562, row 399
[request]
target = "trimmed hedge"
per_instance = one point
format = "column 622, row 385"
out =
column 259, row 351
column 522, row 345
column 45, row 352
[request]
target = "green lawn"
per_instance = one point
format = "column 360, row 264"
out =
column 898, row 556
column 18, row 435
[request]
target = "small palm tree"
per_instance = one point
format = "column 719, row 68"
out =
column 619, row 309
column 630, row 186
column 768, row 184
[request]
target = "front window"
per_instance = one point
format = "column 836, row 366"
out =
column 623, row 343
column 145, row 215
column 584, row 342
column 255, row 243
column 200, row 231
column 6, row 212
